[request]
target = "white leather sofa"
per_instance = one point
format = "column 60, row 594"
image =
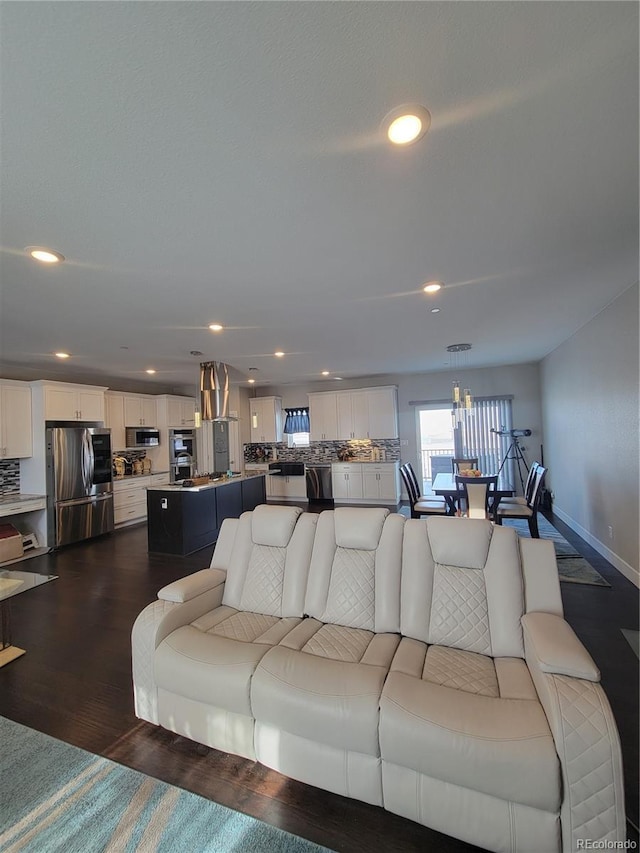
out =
column 420, row 665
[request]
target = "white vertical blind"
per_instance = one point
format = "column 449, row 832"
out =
column 480, row 441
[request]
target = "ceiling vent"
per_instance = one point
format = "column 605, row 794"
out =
column 214, row 391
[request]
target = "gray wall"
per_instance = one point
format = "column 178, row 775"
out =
column 520, row 380
column 589, row 389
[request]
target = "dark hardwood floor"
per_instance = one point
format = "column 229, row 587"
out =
column 75, row 683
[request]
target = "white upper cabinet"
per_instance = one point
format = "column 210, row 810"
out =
column 140, row 410
column 15, row 420
column 181, row 411
column 266, row 419
column 323, row 417
column 114, row 419
column 358, row 414
column 66, row 402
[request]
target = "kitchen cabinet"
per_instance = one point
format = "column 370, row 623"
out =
column 140, row 410
column 380, row 482
column 15, row 420
column 66, row 402
column 265, row 419
column 367, row 413
column 346, row 479
column 114, row 419
column 262, row 467
column 130, row 499
column 292, row 488
column 323, row 417
column 365, row 482
column 181, row 411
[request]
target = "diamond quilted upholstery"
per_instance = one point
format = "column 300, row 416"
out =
column 264, row 581
column 459, row 613
column 590, row 760
column 339, row 643
column 244, row 626
column 461, row 670
column 351, row 599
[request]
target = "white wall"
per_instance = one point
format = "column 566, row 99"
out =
column 520, row 380
column 589, row 388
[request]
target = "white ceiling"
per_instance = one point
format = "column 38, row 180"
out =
column 203, row 161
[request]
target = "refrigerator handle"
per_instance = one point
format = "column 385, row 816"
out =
column 92, row 462
column 86, row 461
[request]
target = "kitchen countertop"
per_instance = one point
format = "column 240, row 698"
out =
column 214, row 484
column 15, row 503
column 136, row 476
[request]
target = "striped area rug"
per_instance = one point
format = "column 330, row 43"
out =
column 56, row 797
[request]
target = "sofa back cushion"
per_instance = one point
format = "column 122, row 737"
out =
column 462, row 586
column 269, row 562
column 354, row 578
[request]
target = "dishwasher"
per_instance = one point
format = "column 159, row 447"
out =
column 318, row 477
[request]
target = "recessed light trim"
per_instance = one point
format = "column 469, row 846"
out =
column 150, row 370
column 44, row 255
column 435, row 310
column 216, row 327
column 433, row 286
column 325, row 373
column 279, row 354
column 251, row 381
column 62, row 355
column 407, row 124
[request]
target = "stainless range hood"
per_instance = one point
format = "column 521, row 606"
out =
column 214, row 391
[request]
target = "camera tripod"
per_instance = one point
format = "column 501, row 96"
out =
column 514, row 452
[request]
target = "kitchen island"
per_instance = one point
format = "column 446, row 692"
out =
column 181, row 520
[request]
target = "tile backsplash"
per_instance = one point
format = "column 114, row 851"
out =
column 9, row 476
column 324, row 451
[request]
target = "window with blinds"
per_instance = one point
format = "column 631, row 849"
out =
column 478, row 439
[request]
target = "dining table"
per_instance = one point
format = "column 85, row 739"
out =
column 445, row 485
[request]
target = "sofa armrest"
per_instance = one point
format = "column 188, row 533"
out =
column 584, row 732
column 553, row 644
column 157, row 621
column 187, row 588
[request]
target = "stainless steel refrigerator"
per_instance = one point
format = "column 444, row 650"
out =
column 79, row 483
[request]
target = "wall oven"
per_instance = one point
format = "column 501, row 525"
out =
column 182, row 454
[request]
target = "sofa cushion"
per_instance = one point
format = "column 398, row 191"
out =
column 462, row 586
column 212, row 660
column 269, row 561
column 476, row 741
column 354, row 577
column 327, row 700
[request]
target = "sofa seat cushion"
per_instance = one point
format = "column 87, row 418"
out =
column 476, row 741
column 334, row 701
column 461, row 670
column 213, row 659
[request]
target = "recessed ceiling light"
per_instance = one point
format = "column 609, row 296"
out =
column 216, row 327
column 251, row 381
column 432, row 286
column 279, row 354
column 45, row 256
column 407, row 123
column 62, row 355
column 325, row 372
column 338, row 378
column 435, row 310
column 150, row 370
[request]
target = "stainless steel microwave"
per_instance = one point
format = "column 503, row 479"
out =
column 142, row 437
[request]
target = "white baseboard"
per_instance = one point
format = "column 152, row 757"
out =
column 621, row 565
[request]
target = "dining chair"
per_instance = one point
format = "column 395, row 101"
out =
column 459, row 464
column 522, row 500
column 420, row 505
column 528, row 510
column 478, row 496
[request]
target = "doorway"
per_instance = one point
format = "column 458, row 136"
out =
column 436, row 442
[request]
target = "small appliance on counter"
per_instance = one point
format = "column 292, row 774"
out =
column 146, row 465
